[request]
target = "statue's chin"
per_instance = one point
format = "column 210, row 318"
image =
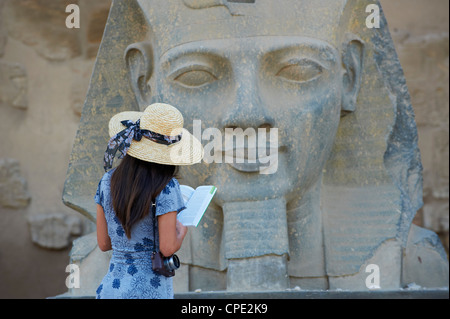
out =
column 267, row 187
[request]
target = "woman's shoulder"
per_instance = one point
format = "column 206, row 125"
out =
column 170, row 199
column 171, row 190
column 172, row 186
column 103, row 188
column 107, row 175
column 105, row 181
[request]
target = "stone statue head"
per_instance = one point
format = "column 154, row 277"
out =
column 252, row 64
column 346, row 162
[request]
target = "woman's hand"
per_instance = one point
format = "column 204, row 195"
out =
column 181, row 230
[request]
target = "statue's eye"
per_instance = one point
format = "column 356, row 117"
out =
column 300, row 71
column 193, row 78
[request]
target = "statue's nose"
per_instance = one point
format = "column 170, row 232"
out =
column 247, row 108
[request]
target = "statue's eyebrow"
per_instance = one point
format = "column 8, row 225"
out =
column 176, row 53
column 282, row 45
column 313, row 49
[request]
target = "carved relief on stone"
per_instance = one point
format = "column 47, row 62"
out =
column 13, row 186
column 13, row 85
column 54, row 231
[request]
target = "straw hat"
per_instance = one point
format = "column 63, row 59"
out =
column 166, row 120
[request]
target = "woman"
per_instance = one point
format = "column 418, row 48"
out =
column 152, row 145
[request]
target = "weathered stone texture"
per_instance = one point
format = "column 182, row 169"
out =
column 81, row 74
column 353, row 209
column 3, row 33
column 420, row 32
column 54, row 231
column 13, row 85
column 41, row 25
column 421, row 36
column 45, row 70
column 419, row 265
column 13, row 186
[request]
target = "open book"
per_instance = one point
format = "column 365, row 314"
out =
column 196, row 202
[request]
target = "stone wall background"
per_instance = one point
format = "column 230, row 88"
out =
column 44, row 75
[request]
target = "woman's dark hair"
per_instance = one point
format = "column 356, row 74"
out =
column 134, row 184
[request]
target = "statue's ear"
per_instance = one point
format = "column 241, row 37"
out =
column 352, row 61
column 139, row 61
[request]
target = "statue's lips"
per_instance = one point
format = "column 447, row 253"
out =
column 249, row 161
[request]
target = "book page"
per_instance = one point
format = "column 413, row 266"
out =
column 186, row 192
column 196, row 205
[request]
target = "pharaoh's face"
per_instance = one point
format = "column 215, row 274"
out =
column 289, row 83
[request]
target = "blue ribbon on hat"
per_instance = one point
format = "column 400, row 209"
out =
column 122, row 141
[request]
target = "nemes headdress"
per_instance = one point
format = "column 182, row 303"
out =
column 181, row 21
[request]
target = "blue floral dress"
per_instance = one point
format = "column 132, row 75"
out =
column 130, row 273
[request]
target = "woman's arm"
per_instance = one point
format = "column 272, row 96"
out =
column 103, row 240
column 171, row 233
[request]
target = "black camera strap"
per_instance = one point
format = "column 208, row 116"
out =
column 155, row 250
column 158, row 260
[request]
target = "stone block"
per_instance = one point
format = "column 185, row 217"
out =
column 425, row 62
column 308, row 283
column 387, row 260
column 92, row 263
column 435, row 216
column 54, row 231
column 257, row 273
column 41, row 24
column 181, row 279
column 13, row 85
column 206, row 279
column 440, row 168
column 13, row 186
column 3, row 33
column 425, row 262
